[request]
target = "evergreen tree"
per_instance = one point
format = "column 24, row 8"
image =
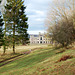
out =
column 15, row 20
column 4, row 36
column 1, row 31
column 12, row 12
column 23, row 26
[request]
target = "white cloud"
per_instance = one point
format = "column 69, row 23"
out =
column 40, row 12
column 39, row 19
column 36, row 12
column 36, row 32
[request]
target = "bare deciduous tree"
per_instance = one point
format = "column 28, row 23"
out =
column 60, row 21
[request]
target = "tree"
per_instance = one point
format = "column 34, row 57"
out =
column 1, row 31
column 16, row 21
column 12, row 12
column 0, row 1
column 62, row 33
column 23, row 26
column 4, row 30
column 60, row 22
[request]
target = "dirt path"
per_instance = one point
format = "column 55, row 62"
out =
column 11, row 59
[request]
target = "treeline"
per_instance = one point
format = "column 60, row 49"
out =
column 60, row 22
column 13, row 25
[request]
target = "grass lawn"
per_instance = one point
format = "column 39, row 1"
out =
column 19, row 50
column 22, row 48
column 44, row 61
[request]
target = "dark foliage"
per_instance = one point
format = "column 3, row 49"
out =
column 23, row 26
column 1, row 31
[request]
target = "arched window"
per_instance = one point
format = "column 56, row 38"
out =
column 40, row 38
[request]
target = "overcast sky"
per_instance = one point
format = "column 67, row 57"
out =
column 36, row 12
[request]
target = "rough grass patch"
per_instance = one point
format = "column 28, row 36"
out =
column 64, row 58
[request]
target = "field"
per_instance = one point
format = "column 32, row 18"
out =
column 22, row 48
column 42, row 60
column 19, row 50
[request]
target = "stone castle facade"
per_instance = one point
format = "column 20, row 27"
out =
column 40, row 39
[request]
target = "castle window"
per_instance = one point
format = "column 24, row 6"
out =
column 40, row 38
column 40, row 41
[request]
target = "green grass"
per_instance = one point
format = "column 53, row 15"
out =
column 41, row 62
column 19, row 50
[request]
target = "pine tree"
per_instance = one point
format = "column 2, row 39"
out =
column 4, row 35
column 1, row 31
column 12, row 12
column 5, row 39
column 23, row 26
column 16, row 19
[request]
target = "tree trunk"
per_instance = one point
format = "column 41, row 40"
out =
column 14, row 38
column 4, row 49
column 4, row 39
column 63, row 44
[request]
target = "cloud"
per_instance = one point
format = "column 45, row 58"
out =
column 3, row 3
column 40, row 12
column 36, row 32
column 39, row 19
column 36, row 12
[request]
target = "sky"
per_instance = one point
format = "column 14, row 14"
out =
column 36, row 11
column 2, row 5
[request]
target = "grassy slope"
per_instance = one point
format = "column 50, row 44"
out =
column 41, row 62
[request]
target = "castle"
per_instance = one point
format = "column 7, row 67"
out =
column 40, row 39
